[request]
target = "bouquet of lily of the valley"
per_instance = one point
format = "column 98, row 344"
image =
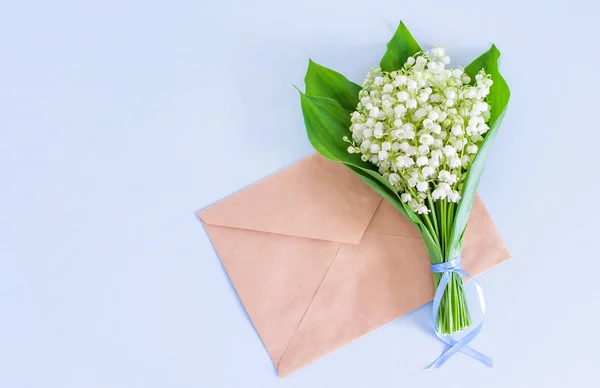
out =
column 418, row 132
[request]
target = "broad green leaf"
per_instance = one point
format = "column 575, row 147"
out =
column 402, row 46
column 498, row 100
column 326, row 124
column 323, row 82
column 499, row 93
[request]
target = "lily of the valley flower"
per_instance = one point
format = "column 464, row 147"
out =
column 421, row 126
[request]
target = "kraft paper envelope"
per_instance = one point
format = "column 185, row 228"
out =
column 319, row 259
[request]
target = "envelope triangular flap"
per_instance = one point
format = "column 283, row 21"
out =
column 313, row 198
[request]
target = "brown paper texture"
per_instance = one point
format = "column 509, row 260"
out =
column 310, row 248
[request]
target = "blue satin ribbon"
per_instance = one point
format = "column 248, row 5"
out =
column 447, row 269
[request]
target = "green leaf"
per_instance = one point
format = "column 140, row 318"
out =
column 499, row 93
column 498, row 100
column 402, row 46
column 326, row 124
column 323, row 82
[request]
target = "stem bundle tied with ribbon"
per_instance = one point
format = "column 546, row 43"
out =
column 418, row 132
column 450, row 270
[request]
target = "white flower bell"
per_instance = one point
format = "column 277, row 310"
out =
column 422, row 126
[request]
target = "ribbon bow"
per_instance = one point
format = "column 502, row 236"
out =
column 446, row 269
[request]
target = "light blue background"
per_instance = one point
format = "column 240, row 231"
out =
column 120, row 119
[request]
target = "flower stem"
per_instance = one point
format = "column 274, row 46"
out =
column 453, row 315
column 433, row 214
column 430, row 226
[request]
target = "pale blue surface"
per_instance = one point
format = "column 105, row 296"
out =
column 119, row 119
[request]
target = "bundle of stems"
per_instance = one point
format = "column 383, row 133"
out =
column 453, row 314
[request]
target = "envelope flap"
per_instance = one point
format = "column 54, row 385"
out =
column 313, row 198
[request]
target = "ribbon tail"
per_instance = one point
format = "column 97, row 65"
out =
column 461, row 346
column 485, row 360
